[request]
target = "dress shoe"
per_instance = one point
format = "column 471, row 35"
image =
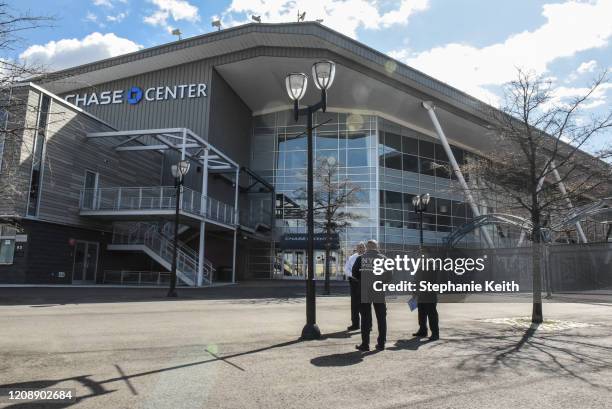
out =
column 363, row 348
column 419, row 334
column 353, row 328
column 434, row 338
column 380, row 347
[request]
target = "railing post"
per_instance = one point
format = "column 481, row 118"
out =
column 139, row 198
column 161, row 197
column 119, row 199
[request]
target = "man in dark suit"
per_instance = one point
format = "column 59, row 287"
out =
column 427, row 306
column 363, row 271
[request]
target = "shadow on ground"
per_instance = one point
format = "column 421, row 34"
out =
column 268, row 291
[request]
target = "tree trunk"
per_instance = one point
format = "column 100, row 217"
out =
column 536, row 258
column 327, row 278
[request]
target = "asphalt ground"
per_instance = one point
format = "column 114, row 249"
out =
column 238, row 347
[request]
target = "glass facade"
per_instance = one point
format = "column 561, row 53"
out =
column 389, row 164
column 412, row 163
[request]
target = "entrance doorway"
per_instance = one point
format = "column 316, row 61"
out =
column 85, row 265
column 292, row 264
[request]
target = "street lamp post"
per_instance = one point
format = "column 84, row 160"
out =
column 323, row 73
column 420, row 203
column 178, row 172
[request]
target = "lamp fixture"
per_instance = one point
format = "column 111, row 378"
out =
column 296, row 84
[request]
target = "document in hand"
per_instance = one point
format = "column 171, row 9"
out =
column 412, row 303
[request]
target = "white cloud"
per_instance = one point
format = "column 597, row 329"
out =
column 564, row 95
column 175, row 9
column 72, row 51
column 588, row 66
column 91, row 17
column 117, row 18
column 107, row 3
column 570, row 27
column 103, row 3
column 345, row 16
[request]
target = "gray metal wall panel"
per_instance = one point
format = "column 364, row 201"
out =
column 18, row 148
column 188, row 112
column 69, row 154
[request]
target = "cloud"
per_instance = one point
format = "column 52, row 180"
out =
column 91, row 17
column 107, row 3
column 564, row 95
column 70, row 52
column 588, row 66
column 345, row 16
column 175, row 9
column 117, row 18
column 570, row 27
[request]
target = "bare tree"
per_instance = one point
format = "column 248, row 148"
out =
column 332, row 195
column 538, row 167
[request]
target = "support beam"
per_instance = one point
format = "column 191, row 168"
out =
column 563, row 191
column 429, row 106
column 236, row 221
column 203, row 207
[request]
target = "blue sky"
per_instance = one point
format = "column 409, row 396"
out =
column 474, row 45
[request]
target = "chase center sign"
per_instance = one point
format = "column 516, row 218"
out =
column 135, row 94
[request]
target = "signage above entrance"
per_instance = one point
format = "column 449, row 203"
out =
column 300, row 241
column 135, row 94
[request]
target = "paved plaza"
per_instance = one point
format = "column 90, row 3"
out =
column 237, row 347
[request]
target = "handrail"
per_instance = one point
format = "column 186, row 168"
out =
column 147, row 234
column 155, row 198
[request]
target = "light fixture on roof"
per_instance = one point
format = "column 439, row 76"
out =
column 301, row 17
column 255, row 18
column 216, row 23
column 319, row 20
column 177, row 32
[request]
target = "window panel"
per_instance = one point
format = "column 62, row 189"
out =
column 394, row 200
column 356, row 157
column 440, row 153
column 427, row 167
column 411, row 163
column 393, row 160
column 410, row 145
column 326, row 140
column 393, row 141
column 426, row 149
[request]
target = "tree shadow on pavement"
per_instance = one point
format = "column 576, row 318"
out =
column 567, row 354
column 97, row 388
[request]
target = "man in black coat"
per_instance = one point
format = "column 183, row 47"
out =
column 427, row 306
column 363, row 271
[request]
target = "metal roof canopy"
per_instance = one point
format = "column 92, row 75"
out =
column 182, row 140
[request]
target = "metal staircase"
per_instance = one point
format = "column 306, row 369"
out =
column 152, row 239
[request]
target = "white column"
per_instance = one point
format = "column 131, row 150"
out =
column 236, row 213
column 561, row 186
column 429, row 106
column 203, row 205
